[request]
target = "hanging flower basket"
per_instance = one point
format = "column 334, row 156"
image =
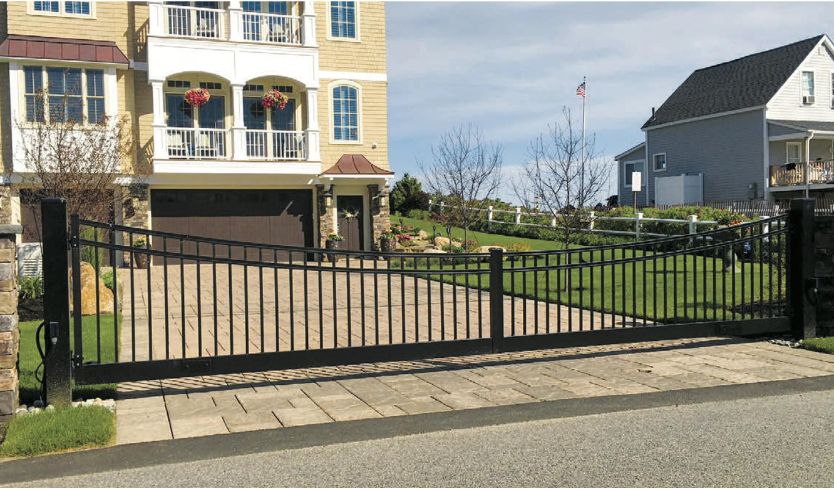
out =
column 274, row 98
column 197, row 97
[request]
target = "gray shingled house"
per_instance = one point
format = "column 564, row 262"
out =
column 761, row 126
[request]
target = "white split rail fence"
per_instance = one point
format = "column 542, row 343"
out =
column 692, row 222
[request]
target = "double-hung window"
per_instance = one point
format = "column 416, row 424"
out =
column 343, row 20
column 807, row 87
column 345, row 113
column 659, row 161
column 79, row 8
column 61, row 94
column 630, row 167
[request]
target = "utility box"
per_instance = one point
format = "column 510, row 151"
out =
column 680, row 189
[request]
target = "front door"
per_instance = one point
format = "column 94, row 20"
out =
column 351, row 221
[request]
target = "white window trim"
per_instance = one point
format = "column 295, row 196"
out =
column 331, row 37
column 665, row 161
column 625, row 172
column 16, row 70
column 195, row 79
column 788, row 144
column 802, row 87
column 296, row 116
column 30, row 9
column 332, row 130
column 831, row 90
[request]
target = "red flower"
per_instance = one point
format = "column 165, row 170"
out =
column 197, row 97
column 274, row 98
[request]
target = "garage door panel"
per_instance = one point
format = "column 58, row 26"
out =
column 258, row 216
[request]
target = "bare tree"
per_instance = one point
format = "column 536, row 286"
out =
column 560, row 177
column 76, row 160
column 464, row 169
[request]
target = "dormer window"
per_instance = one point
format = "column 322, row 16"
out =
column 807, row 88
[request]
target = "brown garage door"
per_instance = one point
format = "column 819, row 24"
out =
column 257, row 216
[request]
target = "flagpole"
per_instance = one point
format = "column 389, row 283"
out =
column 582, row 161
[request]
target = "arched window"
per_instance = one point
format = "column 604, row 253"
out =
column 345, row 113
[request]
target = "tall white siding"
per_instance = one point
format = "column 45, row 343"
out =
column 787, row 104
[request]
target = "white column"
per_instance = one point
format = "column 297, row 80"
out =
column 235, row 21
column 313, row 131
column 238, row 126
column 160, row 136
column 308, row 19
column 111, row 93
column 156, row 21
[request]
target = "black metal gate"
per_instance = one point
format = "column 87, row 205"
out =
column 185, row 305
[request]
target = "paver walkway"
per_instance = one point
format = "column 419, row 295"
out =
column 181, row 408
column 223, row 310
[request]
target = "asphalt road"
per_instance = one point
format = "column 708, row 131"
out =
column 785, row 440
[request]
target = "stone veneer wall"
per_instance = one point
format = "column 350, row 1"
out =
column 824, row 269
column 9, row 333
column 380, row 215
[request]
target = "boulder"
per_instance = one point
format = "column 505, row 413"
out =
column 434, row 251
column 88, row 292
column 443, row 242
column 422, row 235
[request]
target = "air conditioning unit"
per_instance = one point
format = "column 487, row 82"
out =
column 807, row 99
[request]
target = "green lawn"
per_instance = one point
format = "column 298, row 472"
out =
column 824, row 345
column 29, row 358
column 671, row 289
column 483, row 239
column 58, row 430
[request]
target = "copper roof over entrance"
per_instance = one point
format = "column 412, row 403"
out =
column 355, row 165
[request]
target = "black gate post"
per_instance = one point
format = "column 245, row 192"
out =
column 496, row 297
column 57, row 365
column 801, row 282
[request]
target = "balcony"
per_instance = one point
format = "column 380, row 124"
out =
column 235, row 24
column 262, row 144
column 794, row 174
column 187, row 143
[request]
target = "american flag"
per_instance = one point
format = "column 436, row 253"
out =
column 580, row 90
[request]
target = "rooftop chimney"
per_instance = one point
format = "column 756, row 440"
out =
column 652, row 112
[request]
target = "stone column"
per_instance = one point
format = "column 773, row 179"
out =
column 9, row 333
column 327, row 212
column 380, row 213
column 136, row 211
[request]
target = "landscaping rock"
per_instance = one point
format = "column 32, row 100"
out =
column 88, row 292
column 434, row 251
column 444, row 242
column 422, row 235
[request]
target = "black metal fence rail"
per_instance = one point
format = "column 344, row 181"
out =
column 186, row 305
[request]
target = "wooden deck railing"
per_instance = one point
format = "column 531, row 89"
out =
column 819, row 172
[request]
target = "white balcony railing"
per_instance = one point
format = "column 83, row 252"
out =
column 262, row 144
column 196, row 143
column 201, row 23
column 272, row 28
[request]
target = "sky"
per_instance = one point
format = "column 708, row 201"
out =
column 509, row 68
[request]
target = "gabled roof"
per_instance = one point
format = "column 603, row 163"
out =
column 743, row 83
column 62, row 49
column 630, row 150
column 355, row 165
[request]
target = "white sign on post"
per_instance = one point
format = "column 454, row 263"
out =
column 636, row 182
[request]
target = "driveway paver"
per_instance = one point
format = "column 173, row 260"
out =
column 180, row 408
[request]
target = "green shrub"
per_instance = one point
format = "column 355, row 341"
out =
column 30, row 288
column 107, row 277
